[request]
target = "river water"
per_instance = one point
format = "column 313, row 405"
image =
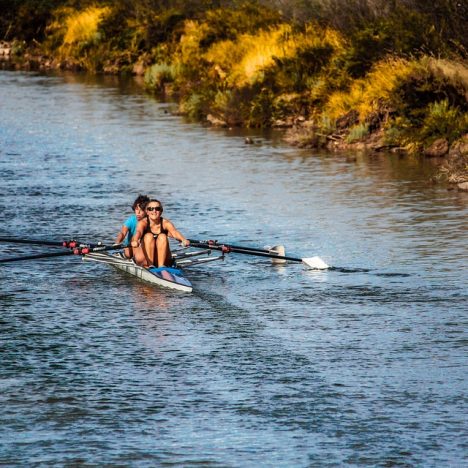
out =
column 262, row 365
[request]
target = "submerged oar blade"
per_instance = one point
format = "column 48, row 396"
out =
column 315, row 263
column 278, row 250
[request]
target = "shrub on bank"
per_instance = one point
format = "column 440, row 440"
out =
column 246, row 64
column 75, row 36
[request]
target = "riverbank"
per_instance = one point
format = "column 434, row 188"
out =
column 371, row 88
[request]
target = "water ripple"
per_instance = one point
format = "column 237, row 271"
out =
column 265, row 365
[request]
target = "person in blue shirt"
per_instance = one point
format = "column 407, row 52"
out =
column 129, row 227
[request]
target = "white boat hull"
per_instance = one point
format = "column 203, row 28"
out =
column 166, row 277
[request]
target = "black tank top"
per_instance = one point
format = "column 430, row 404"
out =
column 148, row 228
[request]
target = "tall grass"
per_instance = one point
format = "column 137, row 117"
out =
column 368, row 95
column 83, row 26
column 245, row 60
column 76, row 37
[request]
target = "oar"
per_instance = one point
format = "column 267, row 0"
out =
column 78, row 251
column 252, row 249
column 277, row 250
column 15, row 240
column 315, row 263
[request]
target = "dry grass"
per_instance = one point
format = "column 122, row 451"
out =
column 82, row 27
column 244, row 60
column 454, row 72
column 366, row 95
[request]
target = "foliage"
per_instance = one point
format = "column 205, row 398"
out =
column 81, row 28
column 26, row 20
column 369, row 94
column 195, row 106
column 435, row 27
column 358, row 132
column 261, row 109
column 443, row 120
column 349, row 66
column 158, row 75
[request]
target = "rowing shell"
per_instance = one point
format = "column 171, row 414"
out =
column 167, row 277
column 173, row 278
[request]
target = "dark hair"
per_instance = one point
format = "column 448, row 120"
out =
column 153, row 200
column 141, row 201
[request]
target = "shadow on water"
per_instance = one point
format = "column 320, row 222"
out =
column 366, row 270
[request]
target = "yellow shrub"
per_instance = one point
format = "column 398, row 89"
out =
column 317, row 36
column 366, row 95
column 82, row 27
column 189, row 47
column 242, row 61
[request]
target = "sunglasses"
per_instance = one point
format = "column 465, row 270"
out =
column 154, row 208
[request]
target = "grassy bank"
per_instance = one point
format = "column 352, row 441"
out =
column 362, row 74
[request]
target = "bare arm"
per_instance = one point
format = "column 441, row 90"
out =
column 122, row 234
column 141, row 227
column 174, row 233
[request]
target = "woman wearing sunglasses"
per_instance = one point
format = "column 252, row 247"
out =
column 151, row 240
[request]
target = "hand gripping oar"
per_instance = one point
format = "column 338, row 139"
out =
column 82, row 250
column 315, row 263
column 15, row 240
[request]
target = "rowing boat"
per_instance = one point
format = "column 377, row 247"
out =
column 168, row 277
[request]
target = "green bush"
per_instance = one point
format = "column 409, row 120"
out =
column 195, row 105
column 158, row 75
column 358, row 132
column 261, row 109
column 443, row 120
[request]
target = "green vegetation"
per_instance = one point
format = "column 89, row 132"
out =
column 334, row 70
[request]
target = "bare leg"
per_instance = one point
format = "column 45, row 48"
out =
column 163, row 257
column 128, row 252
column 144, row 254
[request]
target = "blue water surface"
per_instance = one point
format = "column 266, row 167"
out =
column 262, row 365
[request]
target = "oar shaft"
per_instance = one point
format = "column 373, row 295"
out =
column 14, row 240
column 36, row 256
column 230, row 248
column 251, row 249
column 78, row 251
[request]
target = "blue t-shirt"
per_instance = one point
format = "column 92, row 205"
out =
column 131, row 223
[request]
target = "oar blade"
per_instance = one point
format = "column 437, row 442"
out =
column 278, row 250
column 315, row 263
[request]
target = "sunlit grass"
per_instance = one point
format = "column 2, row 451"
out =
column 189, row 45
column 159, row 74
column 244, row 60
column 367, row 95
column 82, row 27
column 455, row 72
